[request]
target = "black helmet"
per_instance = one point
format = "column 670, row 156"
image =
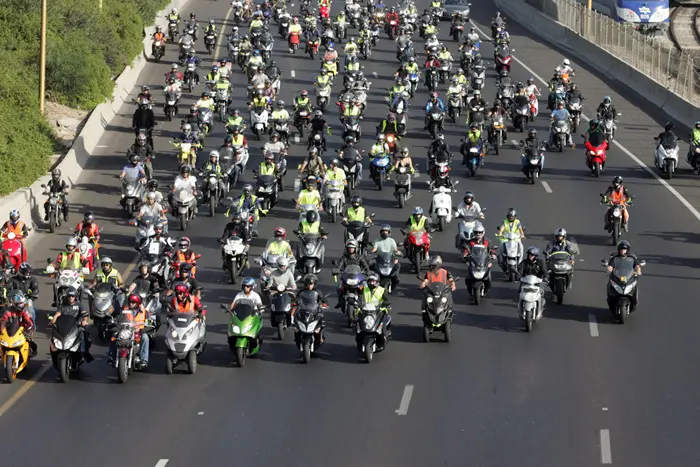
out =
column 435, row 263
column 385, row 231
column 356, row 201
column 310, row 279
column 669, row 126
column 25, row 269
column 533, row 251
column 623, row 245
column 312, row 216
column 185, row 169
column 593, row 123
column 88, row 217
column 532, row 133
column 617, row 181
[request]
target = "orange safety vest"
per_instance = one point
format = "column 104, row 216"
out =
column 139, row 317
column 159, row 36
column 180, row 257
column 438, row 276
column 94, row 230
column 16, row 229
column 618, row 196
column 187, row 307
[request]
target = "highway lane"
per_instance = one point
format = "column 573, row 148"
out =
column 493, row 386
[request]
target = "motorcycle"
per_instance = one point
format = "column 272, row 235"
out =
column 308, row 330
column 172, row 31
column 435, row 121
column 622, row 288
column 562, row 272
column 351, row 127
column 55, row 208
column 473, row 158
column 436, row 310
column 153, row 253
column 402, row 185
column 64, row 345
column 465, row 228
column 614, row 216
column 323, row 93
column 379, row 169
column 693, row 156
column 301, row 121
column 358, row 230
column 170, row 105
column 417, row 247
column 210, row 42
column 454, row 106
column 560, row 128
column 186, row 206
column 88, row 252
column 351, row 279
column 574, row 107
column 244, row 328
column 530, row 301
column 258, row 121
column 369, row 335
column 184, row 340
column 666, row 159
column 497, row 132
column 610, row 127
column 15, row 349
column 413, row 80
column 293, row 42
column 351, row 160
column 235, row 256
column 477, row 77
column 267, row 191
column 557, row 94
column 476, row 115
column 432, row 79
column 67, row 279
column 503, row 58
column 521, row 113
column 534, row 161
column 129, row 340
column 13, row 246
column 334, row 199
column 104, row 300
column 282, row 302
column 213, row 193
column 386, row 265
column 479, row 267
column 132, row 196
column 311, row 253
column 596, row 152
column 511, row 254
column 442, row 207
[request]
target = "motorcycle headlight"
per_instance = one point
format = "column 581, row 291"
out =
column 311, row 326
column 429, row 300
column 173, row 333
column 56, row 343
column 617, row 287
column 124, row 334
column 616, row 212
column 309, row 248
column 478, row 274
column 53, row 201
column 443, row 299
column 235, row 329
column 353, row 281
column 369, row 321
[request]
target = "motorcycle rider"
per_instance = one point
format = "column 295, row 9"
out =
column 467, row 208
column 511, row 224
column 351, row 255
column 144, row 150
column 309, row 298
column 182, row 182
column 174, row 74
column 389, row 125
column 436, row 273
column 385, row 244
column 438, row 151
column 573, row 93
column 565, row 68
column 107, row 274
column 193, row 23
column 694, row 138
column 213, row 166
column 18, row 312
column 71, row 306
column 534, row 265
column 311, row 224
column 186, row 43
column 158, row 236
column 617, row 194
column 310, row 194
column 16, row 226
column 88, row 227
column 186, row 277
column 533, row 145
column 476, row 102
column 313, row 165
column 318, row 127
column 247, row 296
column 251, row 203
column 55, row 185
column 268, row 166
column 146, row 282
column 415, row 223
column 560, row 244
column 152, row 208
column 133, row 171
column 606, row 110
column 479, row 238
column 282, row 274
column 623, row 251
column 356, row 212
column 26, row 283
column 559, row 114
column 236, row 227
column 144, row 117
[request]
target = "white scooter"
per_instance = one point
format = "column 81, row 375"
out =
column 511, row 254
column 531, row 300
column 666, row 159
column 334, row 199
column 258, row 121
column 442, row 206
column 184, row 341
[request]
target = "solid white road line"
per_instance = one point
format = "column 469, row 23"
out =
column 405, row 400
column 637, row 160
column 162, row 463
column 605, row 451
column 593, row 325
column 217, row 52
column 547, row 188
column 293, row 73
column 24, row 389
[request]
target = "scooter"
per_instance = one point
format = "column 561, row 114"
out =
column 369, row 335
column 479, row 275
column 386, row 265
column 402, row 186
column 308, row 330
column 511, row 254
column 351, row 279
column 311, row 253
column 436, row 310
column 334, row 199
column 417, row 248
column 64, row 345
column 442, row 207
column 184, row 340
column 666, row 159
column 534, row 162
column 622, row 288
column 561, row 274
column 530, row 301
column 282, row 304
column 244, row 328
column 235, row 257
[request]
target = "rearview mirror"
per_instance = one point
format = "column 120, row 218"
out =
column 643, row 263
column 603, row 262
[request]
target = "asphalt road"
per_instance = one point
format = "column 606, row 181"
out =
column 579, row 391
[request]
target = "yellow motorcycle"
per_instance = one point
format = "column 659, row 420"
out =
column 15, row 350
column 187, row 152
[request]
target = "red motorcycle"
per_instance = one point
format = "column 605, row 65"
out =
column 503, row 59
column 293, row 42
column 596, row 153
column 417, row 246
column 312, row 47
column 14, row 247
column 324, row 12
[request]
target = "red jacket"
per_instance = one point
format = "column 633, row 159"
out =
column 392, row 17
column 13, row 313
column 432, row 63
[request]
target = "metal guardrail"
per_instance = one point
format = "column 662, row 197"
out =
column 673, row 69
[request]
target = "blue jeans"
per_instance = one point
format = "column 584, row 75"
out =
column 32, row 312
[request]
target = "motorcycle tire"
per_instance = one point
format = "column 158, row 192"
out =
column 426, row 334
column 63, row 368
column 402, row 200
column 596, row 169
column 213, row 203
column 477, row 294
column 615, row 233
column 306, row 352
column 240, row 357
column 192, row 362
column 233, row 271
column 280, row 331
column 447, row 329
column 529, row 321
column 369, row 350
column 123, row 370
column 669, row 169
column 10, row 369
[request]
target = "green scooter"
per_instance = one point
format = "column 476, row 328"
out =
column 244, row 328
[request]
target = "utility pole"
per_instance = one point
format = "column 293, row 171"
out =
column 589, row 4
column 42, row 60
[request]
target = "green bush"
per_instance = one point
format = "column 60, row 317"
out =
column 86, row 49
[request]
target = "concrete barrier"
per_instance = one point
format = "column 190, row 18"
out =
column 557, row 33
column 29, row 201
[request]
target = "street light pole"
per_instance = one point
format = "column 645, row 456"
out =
column 42, row 60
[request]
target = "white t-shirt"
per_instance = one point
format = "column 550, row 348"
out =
column 251, row 299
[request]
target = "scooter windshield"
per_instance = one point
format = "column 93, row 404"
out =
column 244, row 310
column 479, row 255
column 596, row 138
column 623, row 268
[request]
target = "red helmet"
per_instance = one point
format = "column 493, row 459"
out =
column 280, row 232
column 180, row 288
column 134, row 298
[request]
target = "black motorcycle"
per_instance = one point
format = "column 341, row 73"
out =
column 386, row 265
column 437, row 310
column 281, row 303
column 66, row 340
column 622, row 288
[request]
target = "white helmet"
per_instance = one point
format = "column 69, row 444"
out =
column 566, row 62
column 214, row 153
column 72, row 242
column 174, row 11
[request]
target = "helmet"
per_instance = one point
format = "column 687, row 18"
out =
column 352, row 243
column 247, row 189
column 391, row 118
column 135, row 299
column 607, row 100
column 214, row 153
column 511, row 214
column 280, row 233
column 433, row 95
column 184, row 243
column 311, row 181
column 185, row 268
column 468, row 197
column 282, row 263
column 669, row 126
column 623, row 245
column 697, row 124
column 560, row 233
column 185, row 169
column 181, row 288
column 532, row 133
column 473, row 126
column 72, row 293
column 186, row 128
column 144, row 264
column 441, row 137
column 14, row 215
column 153, row 184
column 158, row 225
column 356, row 201
column 385, row 231
column 25, row 269
column 530, row 81
column 236, row 217
column 18, row 299
column 478, row 229
column 418, row 211
column 435, row 262
column 88, row 217
column 372, row 278
column 381, row 137
column 304, row 93
column 173, row 66
column 56, row 174
column 310, row 279
column 248, row 282
column 617, row 181
column 533, row 251
column 312, row 216
column 566, row 62
column 106, row 261
column 269, row 156
column 318, row 114
column 334, row 162
column 72, row 242
column 593, row 124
